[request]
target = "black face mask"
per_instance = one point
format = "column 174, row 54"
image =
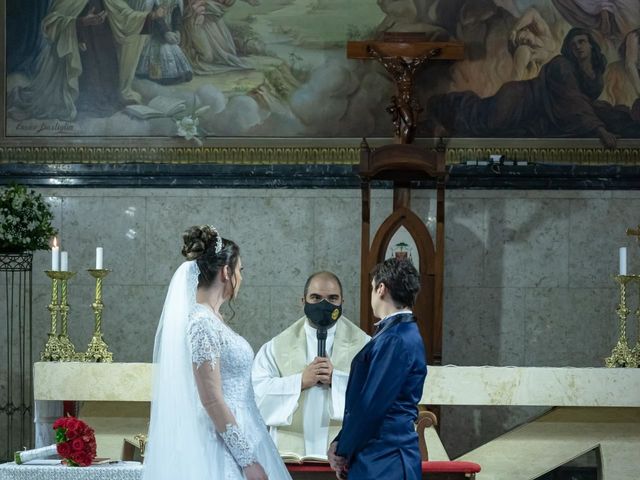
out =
column 323, row 315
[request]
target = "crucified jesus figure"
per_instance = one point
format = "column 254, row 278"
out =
column 404, row 107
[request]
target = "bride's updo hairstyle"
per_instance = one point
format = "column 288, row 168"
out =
column 204, row 244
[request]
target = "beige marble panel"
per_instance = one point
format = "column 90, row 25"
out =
column 597, row 231
column 252, row 314
column 351, row 306
column 569, row 326
column 483, row 326
column 465, row 242
column 276, row 238
column 532, row 386
column 625, row 194
column 566, row 194
column 115, row 223
column 449, row 385
column 527, row 243
column 381, row 208
column 130, row 331
column 337, row 234
column 286, row 308
column 167, row 218
column 480, row 193
column 117, row 382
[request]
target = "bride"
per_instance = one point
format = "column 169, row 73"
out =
column 204, row 420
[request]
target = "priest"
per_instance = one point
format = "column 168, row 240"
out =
column 300, row 376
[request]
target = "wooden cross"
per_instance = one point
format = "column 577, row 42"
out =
column 402, row 55
column 634, row 233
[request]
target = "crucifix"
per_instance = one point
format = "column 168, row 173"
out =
column 403, row 55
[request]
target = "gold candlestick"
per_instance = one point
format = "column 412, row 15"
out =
column 98, row 350
column 67, row 349
column 621, row 355
column 52, row 352
column 636, row 349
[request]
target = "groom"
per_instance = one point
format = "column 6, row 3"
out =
column 378, row 437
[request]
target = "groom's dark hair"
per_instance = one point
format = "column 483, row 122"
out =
column 401, row 279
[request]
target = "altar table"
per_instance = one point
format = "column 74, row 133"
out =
column 588, row 408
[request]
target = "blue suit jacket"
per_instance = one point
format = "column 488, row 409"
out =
column 378, row 435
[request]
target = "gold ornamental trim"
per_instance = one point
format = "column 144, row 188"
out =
column 183, row 155
column 336, row 151
column 560, row 156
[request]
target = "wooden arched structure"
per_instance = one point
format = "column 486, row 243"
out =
column 404, row 164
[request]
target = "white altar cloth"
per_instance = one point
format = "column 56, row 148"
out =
column 54, row 470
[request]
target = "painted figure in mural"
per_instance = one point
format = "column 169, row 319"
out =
column 612, row 19
column 130, row 47
column 622, row 80
column 206, row 39
column 24, row 34
column 80, row 67
column 560, row 101
column 531, row 44
column 474, row 21
column 162, row 59
column 405, row 16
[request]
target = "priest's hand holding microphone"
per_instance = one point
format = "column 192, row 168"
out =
column 317, row 372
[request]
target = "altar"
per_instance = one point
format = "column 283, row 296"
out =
column 588, row 408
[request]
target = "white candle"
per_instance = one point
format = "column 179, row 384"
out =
column 99, row 258
column 64, row 261
column 55, row 256
column 623, row 260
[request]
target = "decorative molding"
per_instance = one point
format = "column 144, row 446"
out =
column 321, row 152
column 184, row 155
column 548, row 155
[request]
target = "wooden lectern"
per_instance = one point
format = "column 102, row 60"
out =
column 402, row 54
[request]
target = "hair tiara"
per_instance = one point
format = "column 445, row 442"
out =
column 218, row 247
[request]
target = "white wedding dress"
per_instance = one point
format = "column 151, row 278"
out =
column 196, row 355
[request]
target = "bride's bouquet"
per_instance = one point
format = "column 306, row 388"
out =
column 75, row 443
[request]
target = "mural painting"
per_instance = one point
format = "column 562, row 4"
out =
column 278, row 68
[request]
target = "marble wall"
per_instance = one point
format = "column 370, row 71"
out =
column 528, row 273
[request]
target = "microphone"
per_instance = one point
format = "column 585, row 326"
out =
column 321, row 335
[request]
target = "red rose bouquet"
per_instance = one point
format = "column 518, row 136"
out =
column 75, row 443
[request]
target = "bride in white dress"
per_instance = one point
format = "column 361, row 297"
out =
column 204, row 420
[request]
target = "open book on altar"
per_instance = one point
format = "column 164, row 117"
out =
column 291, row 457
column 158, row 107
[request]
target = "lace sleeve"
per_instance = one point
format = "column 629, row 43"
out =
column 238, row 445
column 204, row 340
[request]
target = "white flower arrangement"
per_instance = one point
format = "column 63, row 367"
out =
column 25, row 221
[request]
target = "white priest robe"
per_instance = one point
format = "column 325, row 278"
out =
column 304, row 422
